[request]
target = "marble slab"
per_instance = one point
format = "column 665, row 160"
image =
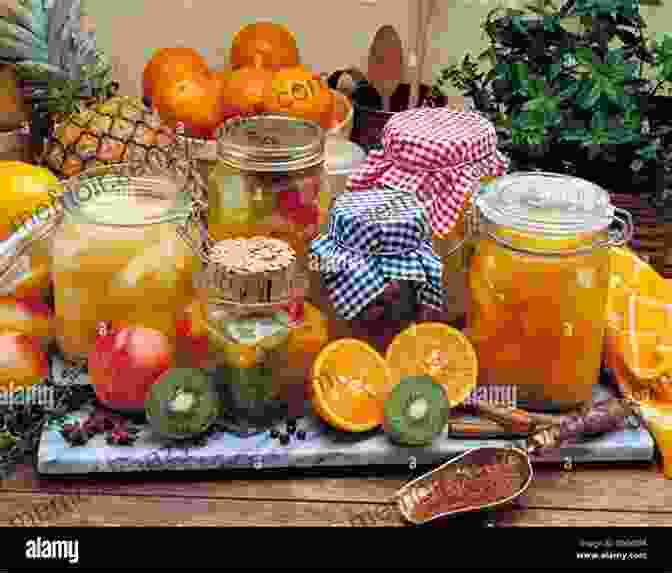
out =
column 322, row 447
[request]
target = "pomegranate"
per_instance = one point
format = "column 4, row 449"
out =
column 125, row 363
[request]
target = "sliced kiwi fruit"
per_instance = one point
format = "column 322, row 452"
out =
column 182, row 404
column 416, row 411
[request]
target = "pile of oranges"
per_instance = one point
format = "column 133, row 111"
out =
column 264, row 75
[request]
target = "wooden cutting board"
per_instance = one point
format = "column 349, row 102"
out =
column 386, row 63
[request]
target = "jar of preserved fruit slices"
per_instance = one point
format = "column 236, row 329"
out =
column 538, row 285
column 378, row 270
column 116, row 256
column 244, row 289
column 269, row 180
column 441, row 155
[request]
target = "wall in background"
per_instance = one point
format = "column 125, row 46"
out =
column 331, row 35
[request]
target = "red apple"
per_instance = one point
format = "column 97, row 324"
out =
column 23, row 362
column 126, row 363
column 30, row 316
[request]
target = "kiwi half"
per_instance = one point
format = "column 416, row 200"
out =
column 182, row 404
column 416, row 411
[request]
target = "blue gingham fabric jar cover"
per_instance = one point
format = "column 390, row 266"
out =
column 375, row 237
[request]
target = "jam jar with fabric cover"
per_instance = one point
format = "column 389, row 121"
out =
column 442, row 155
column 379, row 272
column 538, row 284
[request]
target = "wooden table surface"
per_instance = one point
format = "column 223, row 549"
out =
column 595, row 495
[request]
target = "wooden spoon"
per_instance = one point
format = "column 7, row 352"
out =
column 386, row 63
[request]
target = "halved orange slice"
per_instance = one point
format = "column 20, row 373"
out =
column 350, row 383
column 439, row 351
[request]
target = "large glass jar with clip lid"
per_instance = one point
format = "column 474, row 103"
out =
column 538, row 283
column 116, row 256
column 268, row 181
column 244, row 289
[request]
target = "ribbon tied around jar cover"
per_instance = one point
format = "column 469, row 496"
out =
column 439, row 154
column 376, row 237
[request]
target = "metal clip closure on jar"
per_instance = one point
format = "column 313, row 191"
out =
column 550, row 205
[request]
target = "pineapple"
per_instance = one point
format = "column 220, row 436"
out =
column 118, row 129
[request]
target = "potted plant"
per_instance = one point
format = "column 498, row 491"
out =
column 579, row 89
column 576, row 87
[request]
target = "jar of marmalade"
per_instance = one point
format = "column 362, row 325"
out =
column 538, row 285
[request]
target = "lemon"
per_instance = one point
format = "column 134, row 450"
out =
column 25, row 190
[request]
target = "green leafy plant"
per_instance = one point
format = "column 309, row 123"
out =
column 568, row 85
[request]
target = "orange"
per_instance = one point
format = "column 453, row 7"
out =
column 175, row 62
column 192, row 100
column 306, row 341
column 244, row 89
column 436, row 350
column 349, row 386
column 264, row 45
column 220, row 79
column 639, row 326
column 300, row 93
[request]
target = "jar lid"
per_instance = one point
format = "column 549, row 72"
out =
column 251, row 271
column 548, row 203
column 439, row 154
column 343, row 156
column 271, row 144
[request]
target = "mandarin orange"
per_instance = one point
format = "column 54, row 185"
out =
column 264, row 45
column 176, row 62
column 193, row 101
column 300, row 93
column 244, row 89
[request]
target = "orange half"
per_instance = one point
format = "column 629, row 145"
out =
column 439, row 351
column 350, row 383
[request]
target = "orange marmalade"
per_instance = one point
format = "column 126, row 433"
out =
column 538, row 284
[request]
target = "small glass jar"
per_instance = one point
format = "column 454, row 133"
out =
column 269, row 181
column 244, row 289
column 378, row 270
column 538, row 283
column 117, row 258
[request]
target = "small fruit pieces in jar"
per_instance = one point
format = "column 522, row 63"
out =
column 350, row 384
column 125, row 363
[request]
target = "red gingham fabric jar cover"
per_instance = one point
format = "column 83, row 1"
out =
column 438, row 154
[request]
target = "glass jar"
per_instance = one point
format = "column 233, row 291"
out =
column 116, row 255
column 378, row 271
column 244, row 289
column 269, row 181
column 538, row 282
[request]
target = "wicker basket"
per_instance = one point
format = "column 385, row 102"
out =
column 652, row 240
